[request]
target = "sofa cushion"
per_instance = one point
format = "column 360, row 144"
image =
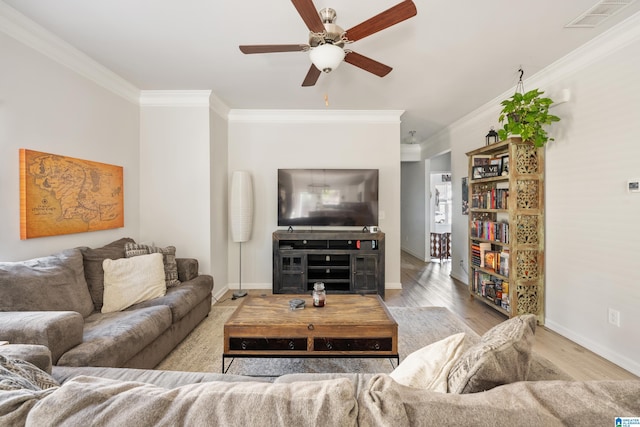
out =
column 111, row 339
column 93, row 270
column 128, row 281
column 429, row 367
column 168, row 258
column 188, row 268
column 502, row 356
column 57, row 330
column 38, row 355
column 161, row 378
column 525, row 403
column 85, row 400
column 51, row 283
column 182, row 299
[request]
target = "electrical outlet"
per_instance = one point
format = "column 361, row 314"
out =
column 614, row 317
column 461, row 263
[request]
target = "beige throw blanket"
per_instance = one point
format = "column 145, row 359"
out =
column 102, row 402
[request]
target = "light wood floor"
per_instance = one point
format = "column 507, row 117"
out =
column 430, row 284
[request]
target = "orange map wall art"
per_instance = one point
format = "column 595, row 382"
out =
column 63, row 195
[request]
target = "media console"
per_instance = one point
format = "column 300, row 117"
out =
column 345, row 261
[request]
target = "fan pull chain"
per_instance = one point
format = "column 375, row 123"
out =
column 326, row 100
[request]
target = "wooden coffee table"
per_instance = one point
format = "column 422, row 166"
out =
column 347, row 326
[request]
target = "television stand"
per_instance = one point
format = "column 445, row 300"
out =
column 348, row 262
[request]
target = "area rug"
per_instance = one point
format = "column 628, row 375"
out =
column 202, row 350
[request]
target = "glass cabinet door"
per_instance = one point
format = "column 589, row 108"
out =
column 292, row 272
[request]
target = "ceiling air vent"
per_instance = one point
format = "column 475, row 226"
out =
column 598, row 13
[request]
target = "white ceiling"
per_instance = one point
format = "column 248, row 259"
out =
column 448, row 60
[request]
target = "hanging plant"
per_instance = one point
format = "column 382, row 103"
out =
column 526, row 114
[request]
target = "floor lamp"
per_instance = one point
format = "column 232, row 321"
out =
column 241, row 215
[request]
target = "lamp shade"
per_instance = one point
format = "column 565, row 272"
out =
column 241, row 206
column 326, row 57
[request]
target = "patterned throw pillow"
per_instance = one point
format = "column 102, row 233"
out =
column 502, row 356
column 168, row 258
column 16, row 374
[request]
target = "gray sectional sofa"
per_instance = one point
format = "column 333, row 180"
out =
column 68, row 372
column 139, row 397
column 57, row 301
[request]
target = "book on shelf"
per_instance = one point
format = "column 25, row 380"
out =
column 484, row 247
column 489, row 291
column 491, row 288
column 492, row 198
column 504, row 262
column 489, row 230
column 475, row 254
column 499, row 291
column 491, row 260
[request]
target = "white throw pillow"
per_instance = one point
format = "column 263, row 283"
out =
column 128, row 281
column 428, row 368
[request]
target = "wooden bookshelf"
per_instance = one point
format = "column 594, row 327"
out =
column 506, row 218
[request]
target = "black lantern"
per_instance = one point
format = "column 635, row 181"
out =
column 492, row 136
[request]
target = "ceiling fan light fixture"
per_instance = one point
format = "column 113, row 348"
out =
column 327, row 57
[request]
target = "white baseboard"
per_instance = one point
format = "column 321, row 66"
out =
column 258, row 285
column 456, row 276
column 393, row 285
column 219, row 294
column 622, row 361
column 412, row 253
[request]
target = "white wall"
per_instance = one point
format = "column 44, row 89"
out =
column 592, row 223
column 417, row 200
column 219, row 207
column 263, row 141
column 45, row 106
column 175, row 172
column 413, row 211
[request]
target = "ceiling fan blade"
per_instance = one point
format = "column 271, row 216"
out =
column 312, row 76
column 367, row 64
column 273, row 48
column 309, row 15
column 386, row 19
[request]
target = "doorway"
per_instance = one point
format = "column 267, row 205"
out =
column 441, row 208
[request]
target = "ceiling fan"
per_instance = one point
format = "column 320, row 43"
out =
column 327, row 40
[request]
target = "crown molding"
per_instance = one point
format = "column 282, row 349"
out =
column 175, row 98
column 614, row 39
column 316, row 116
column 597, row 49
column 26, row 31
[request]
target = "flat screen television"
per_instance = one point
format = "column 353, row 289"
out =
column 328, row 197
